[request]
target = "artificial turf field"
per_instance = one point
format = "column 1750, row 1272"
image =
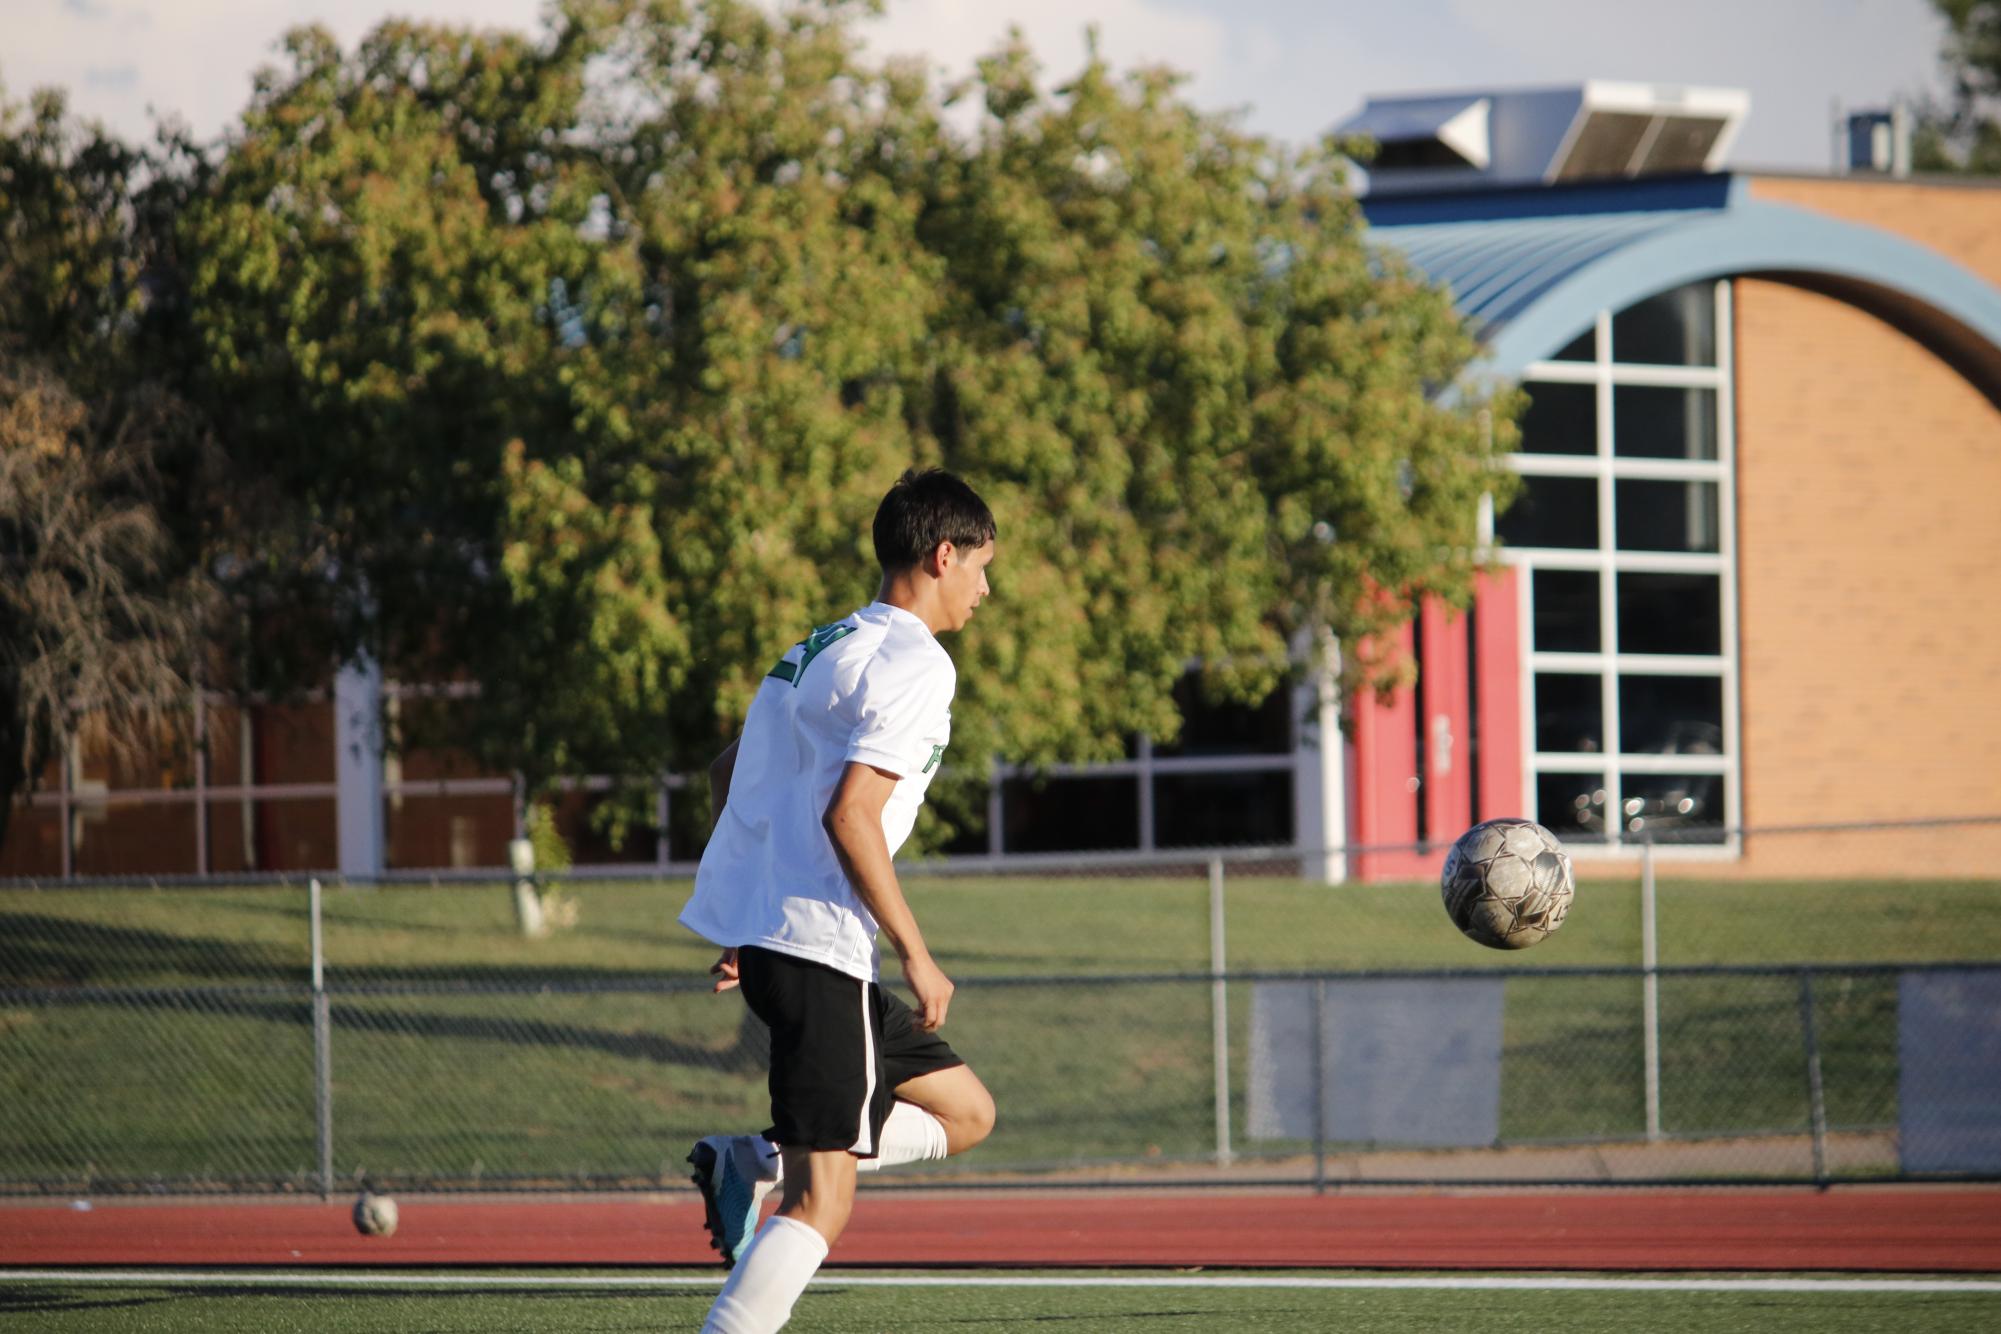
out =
column 1216, row 1303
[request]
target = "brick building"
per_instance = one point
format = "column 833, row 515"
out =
column 1763, row 489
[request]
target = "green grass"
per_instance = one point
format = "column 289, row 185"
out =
column 979, row 927
column 164, row 1306
column 582, row 1065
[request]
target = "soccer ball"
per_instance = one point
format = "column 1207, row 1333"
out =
column 1507, row 883
column 375, row 1215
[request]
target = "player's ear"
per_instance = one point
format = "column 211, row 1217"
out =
column 940, row 557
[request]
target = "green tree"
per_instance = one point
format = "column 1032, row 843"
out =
column 1964, row 133
column 550, row 368
column 767, row 391
column 583, row 359
column 381, row 292
column 1202, row 407
column 1212, row 407
column 103, row 613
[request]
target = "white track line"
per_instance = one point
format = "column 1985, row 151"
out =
column 1445, row 1283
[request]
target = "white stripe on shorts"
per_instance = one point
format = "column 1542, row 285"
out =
column 865, row 1141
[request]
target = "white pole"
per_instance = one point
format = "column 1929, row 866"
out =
column 322, row 1049
column 1219, row 1011
column 1650, row 996
column 1319, row 754
column 663, row 811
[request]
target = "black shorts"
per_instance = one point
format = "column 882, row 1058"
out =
column 840, row 1048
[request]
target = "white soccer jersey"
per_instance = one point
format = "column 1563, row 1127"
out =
column 875, row 687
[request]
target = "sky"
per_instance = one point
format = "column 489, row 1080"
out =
column 1291, row 68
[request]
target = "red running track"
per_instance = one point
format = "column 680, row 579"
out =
column 1862, row 1228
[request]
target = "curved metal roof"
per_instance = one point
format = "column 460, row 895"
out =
column 1497, row 270
column 1533, row 283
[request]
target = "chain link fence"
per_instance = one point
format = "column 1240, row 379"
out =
column 1195, row 1020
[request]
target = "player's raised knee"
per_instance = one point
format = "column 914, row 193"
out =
column 975, row 1121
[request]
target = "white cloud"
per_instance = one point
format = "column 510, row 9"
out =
column 952, row 34
column 192, row 58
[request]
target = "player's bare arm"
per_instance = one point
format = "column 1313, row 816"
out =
column 853, row 821
column 724, row 969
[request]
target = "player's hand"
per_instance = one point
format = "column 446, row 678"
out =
column 933, row 991
column 724, row 970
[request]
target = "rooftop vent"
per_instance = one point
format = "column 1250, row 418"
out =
column 1595, row 131
column 1878, row 141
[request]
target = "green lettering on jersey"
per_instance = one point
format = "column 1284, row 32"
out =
column 813, row 645
column 937, row 754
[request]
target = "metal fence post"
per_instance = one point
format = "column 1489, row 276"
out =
column 322, row 1050
column 1320, row 1086
column 1219, row 1011
column 1650, row 986
column 1815, row 1093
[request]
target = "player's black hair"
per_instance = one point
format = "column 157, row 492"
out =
column 924, row 509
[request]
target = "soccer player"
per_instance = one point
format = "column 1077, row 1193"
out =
column 813, row 799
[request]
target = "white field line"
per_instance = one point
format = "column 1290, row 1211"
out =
column 1443, row 1283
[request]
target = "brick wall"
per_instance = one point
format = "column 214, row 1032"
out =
column 1960, row 221
column 1869, row 523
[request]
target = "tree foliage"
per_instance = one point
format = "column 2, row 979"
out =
column 1211, row 407
column 103, row 612
column 573, row 366
column 1964, row 134
column 377, row 299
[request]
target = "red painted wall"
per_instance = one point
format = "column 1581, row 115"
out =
column 1469, row 698
column 1447, row 794
column 1497, row 689
column 1385, row 800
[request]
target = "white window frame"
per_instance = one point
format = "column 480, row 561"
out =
column 1605, row 467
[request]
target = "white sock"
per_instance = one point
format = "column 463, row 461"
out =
column 781, row 1261
column 910, row 1135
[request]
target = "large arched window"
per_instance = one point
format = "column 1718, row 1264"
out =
column 1624, row 533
